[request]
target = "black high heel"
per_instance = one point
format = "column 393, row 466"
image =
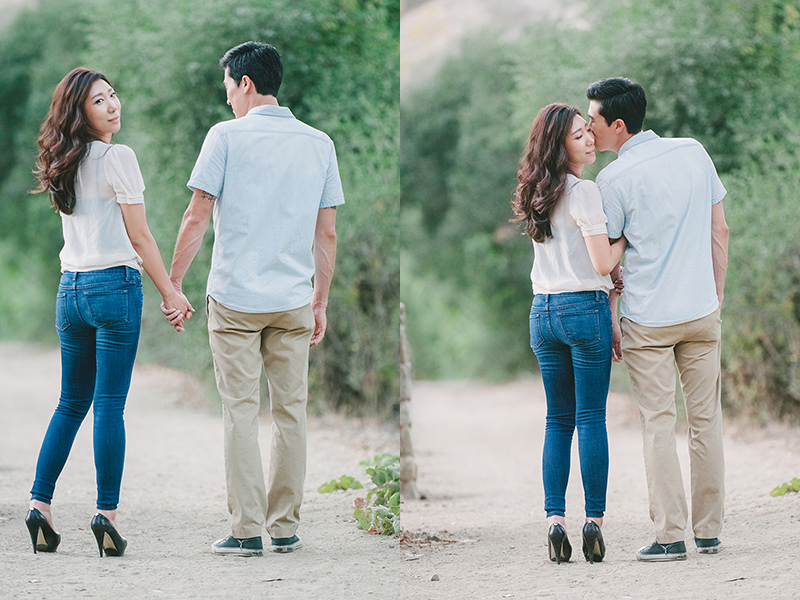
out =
column 594, row 548
column 43, row 536
column 107, row 537
column 558, row 544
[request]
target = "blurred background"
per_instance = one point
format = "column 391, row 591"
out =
column 474, row 74
column 341, row 75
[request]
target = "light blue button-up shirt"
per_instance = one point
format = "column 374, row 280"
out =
column 659, row 193
column 271, row 174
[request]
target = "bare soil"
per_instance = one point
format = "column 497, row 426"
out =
column 173, row 501
column 481, row 532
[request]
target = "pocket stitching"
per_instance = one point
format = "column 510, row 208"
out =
column 96, row 293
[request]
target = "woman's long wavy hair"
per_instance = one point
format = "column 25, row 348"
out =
column 543, row 169
column 64, row 137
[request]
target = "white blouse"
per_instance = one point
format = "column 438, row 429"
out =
column 561, row 264
column 94, row 234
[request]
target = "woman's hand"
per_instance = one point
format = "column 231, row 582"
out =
column 616, row 345
column 176, row 310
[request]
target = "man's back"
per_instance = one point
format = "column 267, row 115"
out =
column 659, row 193
column 271, row 174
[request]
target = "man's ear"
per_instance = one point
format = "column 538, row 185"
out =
column 619, row 126
column 246, row 83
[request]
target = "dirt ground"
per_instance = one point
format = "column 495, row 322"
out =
column 481, row 532
column 173, row 501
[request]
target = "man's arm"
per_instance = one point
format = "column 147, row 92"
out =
column 190, row 235
column 719, row 248
column 324, row 261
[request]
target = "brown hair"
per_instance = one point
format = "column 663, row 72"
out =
column 543, row 169
column 64, row 137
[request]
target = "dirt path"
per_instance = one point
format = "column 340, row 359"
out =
column 479, row 455
column 173, row 502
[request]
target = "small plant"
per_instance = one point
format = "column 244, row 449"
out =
column 379, row 512
column 344, row 482
column 783, row 489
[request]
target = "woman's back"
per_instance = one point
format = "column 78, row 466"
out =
column 561, row 263
column 94, row 234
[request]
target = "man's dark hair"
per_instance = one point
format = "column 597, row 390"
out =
column 260, row 62
column 620, row 98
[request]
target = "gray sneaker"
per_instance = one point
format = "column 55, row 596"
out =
column 284, row 545
column 708, row 545
column 238, row 547
column 656, row 552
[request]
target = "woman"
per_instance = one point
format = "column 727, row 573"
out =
column 571, row 317
column 97, row 189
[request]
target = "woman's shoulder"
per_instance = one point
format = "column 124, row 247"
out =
column 584, row 189
column 121, row 152
column 583, row 185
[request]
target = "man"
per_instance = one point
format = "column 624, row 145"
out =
column 665, row 196
column 273, row 185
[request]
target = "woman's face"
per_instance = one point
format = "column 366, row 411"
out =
column 103, row 110
column 580, row 145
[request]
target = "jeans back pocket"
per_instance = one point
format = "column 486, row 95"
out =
column 62, row 317
column 580, row 327
column 536, row 324
column 107, row 307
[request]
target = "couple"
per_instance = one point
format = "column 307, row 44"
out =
column 273, row 185
column 659, row 203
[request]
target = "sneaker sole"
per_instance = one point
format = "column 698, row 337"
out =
column 236, row 551
column 660, row 557
column 287, row 549
column 712, row 550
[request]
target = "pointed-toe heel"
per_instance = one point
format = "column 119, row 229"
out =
column 43, row 537
column 558, row 544
column 594, row 548
column 108, row 539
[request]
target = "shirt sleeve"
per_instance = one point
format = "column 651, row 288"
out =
column 123, row 175
column 718, row 190
column 208, row 174
column 332, row 193
column 586, row 207
column 612, row 207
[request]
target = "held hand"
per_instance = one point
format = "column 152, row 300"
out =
column 176, row 309
column 320, row 325
column 616, row 345
column 174, row 317
column 619, row 286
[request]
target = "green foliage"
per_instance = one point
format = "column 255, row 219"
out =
column 785, row 488
column 379, row 512
column 343, row 483
column 725, row 72
column 341, row 75
column 761, row 326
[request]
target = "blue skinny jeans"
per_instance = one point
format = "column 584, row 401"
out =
column 98, row 318
column 571, row 335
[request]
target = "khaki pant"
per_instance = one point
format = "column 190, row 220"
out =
column 651, row 354
column 240, row 342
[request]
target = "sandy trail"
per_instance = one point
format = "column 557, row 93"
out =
column 173, row 501
column 478, row 450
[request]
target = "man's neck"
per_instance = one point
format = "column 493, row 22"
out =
column 261, row 100
column 622, row 140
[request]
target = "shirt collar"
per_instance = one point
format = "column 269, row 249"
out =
column 270, row 110
column 639, row 138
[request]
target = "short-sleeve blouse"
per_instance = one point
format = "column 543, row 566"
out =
column 95, row 236
column 561, row 264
